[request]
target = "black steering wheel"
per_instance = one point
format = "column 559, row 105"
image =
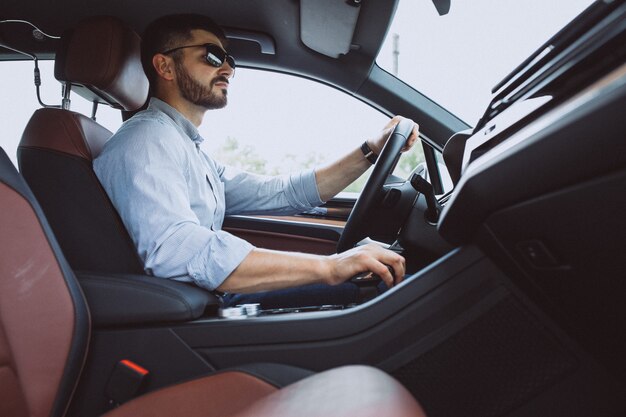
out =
column 356, row 227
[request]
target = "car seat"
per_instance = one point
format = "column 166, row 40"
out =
column 99, row 59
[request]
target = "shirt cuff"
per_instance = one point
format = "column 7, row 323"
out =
column 210, row 267
column 309, row 188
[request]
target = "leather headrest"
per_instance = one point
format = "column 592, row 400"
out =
column 100, row 57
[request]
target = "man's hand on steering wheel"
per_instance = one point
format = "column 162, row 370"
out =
column 377, row 144
column 398, row 136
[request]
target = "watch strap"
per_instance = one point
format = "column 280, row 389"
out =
column 368, row 153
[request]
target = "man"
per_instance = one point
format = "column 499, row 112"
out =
column 173, row 197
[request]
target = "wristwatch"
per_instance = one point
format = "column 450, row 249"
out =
column 369, row 153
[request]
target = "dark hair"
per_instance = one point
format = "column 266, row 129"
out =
column 170, row 31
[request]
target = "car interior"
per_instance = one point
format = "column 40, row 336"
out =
column 514, row 302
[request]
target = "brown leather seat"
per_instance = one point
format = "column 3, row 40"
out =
column 341, row 392
column 44, row 321
column 99, row 60
column 44, row 333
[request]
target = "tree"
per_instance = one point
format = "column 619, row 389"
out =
column 246, row 157
column 242, row 157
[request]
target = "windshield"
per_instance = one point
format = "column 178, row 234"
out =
column 456, row 59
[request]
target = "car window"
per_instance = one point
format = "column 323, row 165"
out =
column 19, row 101
column 277, row 124
column 457, row 58
column 273, row 124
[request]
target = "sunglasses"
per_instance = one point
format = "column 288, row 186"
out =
column 215, row 56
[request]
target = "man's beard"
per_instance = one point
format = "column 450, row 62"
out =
column 197, row 93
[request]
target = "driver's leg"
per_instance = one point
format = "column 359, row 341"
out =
column 306, row 296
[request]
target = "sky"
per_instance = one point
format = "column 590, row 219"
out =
column 457, row 58
column 454, row 59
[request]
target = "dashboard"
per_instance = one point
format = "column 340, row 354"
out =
column 545, row 201
column 504, row 164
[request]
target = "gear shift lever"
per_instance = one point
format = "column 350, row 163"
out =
column 434, row 208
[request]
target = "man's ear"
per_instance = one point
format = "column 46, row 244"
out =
column 163, row 66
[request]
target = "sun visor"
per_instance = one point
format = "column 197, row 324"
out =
column 327, row 26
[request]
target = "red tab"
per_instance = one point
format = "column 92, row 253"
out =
column 135, row 367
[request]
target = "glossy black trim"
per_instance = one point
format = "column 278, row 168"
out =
column 533, row 161
column 315, row 230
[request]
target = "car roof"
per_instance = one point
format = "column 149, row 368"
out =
column 277, row 22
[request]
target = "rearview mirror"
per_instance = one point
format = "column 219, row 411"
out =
column 442, row 6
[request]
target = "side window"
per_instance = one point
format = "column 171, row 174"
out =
column 277, row 124
column 19, row 101
column 273, row 124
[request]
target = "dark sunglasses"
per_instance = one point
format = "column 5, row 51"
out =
column 215, row 56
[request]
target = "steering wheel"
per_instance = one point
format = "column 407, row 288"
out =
column 356, row 227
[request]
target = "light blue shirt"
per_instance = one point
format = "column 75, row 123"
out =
column 172, row 196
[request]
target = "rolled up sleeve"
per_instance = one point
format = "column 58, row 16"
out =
column 248, row 193
column 225, row 253
column 207, row 257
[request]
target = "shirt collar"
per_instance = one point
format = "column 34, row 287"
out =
column 189, row 128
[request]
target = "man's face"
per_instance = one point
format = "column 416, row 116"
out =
column 199, row 82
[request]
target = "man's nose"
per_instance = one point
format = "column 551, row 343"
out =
column 226, row 70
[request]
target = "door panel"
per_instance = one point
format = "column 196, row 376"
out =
column 287, row 233
column 285, row 242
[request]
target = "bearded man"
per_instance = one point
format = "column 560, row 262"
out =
column 172, row 196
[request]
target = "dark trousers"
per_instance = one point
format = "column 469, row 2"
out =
column 305, row 296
